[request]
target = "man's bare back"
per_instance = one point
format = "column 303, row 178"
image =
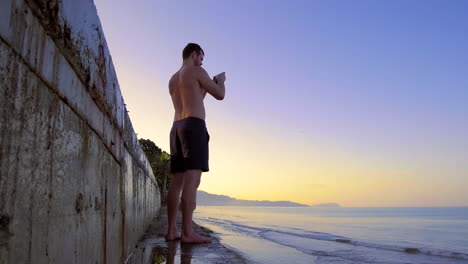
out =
column 187, row 94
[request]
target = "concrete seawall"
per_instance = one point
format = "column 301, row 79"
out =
column 75, row 186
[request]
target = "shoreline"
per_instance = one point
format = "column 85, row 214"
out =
column 153, row 248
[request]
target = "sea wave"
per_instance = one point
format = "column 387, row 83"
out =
column 277, row 234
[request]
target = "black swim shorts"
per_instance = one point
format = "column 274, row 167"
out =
column 189, row 145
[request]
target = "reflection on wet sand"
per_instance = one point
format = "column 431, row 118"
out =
column 154, row 249
column 175, row 253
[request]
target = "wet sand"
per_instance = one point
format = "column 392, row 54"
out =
column 154, row 249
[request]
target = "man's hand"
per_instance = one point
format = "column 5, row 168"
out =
column 220, row 78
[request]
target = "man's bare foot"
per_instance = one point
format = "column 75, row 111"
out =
column 195, row 238
column 173, row 236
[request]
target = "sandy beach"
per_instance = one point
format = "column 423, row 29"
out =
column 154, row 249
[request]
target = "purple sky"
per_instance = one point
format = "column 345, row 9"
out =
column 355, row 91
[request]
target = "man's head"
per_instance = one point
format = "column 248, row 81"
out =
column 193, row 52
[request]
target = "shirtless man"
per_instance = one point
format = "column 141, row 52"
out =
column 189, row 139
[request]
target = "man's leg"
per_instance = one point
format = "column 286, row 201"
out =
column 189, row 203
column 173, row 205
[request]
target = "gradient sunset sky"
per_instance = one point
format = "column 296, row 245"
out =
column 361, row 103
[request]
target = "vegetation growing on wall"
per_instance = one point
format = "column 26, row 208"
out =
column 160, row 163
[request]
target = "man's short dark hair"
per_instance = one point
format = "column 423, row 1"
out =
column 191, row 47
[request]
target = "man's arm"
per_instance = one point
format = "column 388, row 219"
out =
column 171, row 87
column 217, row 90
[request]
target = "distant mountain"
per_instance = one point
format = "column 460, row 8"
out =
column 334, row 205
column 208, row 199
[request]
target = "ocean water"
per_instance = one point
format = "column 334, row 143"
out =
column 341, row 235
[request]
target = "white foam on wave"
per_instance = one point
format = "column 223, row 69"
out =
column 256, row 249
column 330, row 246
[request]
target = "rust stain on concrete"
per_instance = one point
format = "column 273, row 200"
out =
column 79, row 205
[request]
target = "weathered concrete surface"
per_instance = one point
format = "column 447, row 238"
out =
column 75, row 186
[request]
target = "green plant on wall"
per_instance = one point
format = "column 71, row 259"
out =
column 160, row 163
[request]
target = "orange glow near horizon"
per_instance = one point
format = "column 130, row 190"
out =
column 247, row 161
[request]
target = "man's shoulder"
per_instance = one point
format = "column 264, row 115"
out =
column 173, row 78
column 197, row 69
column 194, row 72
